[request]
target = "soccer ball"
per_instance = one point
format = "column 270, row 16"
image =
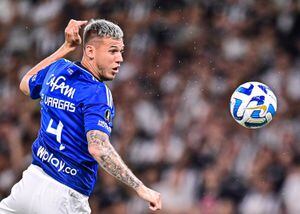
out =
column 253, row 105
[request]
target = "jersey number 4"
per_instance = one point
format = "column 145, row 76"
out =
column 56, row 131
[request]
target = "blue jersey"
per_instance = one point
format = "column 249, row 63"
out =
column 72, row 102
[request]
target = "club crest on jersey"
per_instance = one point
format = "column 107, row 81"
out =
column 58, row 83
column 107, row 115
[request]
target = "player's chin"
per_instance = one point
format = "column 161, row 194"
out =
column 110, row 77
column 113, row 75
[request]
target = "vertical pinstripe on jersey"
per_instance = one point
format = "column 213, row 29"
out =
column 109, row 97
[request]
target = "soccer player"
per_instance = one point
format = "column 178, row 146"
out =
column 76, row 120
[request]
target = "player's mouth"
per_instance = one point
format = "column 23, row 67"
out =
column 116, row 69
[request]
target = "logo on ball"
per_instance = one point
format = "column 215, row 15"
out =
column 253, row 105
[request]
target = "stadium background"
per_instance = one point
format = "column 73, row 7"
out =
column 183, row 60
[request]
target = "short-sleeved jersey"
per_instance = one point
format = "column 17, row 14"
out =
column 72, row 102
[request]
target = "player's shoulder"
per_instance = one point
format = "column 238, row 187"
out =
column 74, row 73
column 104, row 90
column 87, row 78
column 58, row 67
column 98, row 93
column 89, row 89
column 62, row 62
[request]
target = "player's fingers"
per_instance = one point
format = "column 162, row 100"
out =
column 76, row 28
column 77, row 23
column 78, row 41
column 76, row 31
column 71, row 23
column 158, row 206
column 81, row 23
column 159, row 202
column 154, row 206
column 69, row 29
column 77, row 37
column 68, row 35
column 72, row 35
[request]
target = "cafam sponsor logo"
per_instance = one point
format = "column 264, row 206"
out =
column 58, row 83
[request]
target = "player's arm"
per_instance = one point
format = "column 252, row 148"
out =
column 104, row 153
column 72, row 40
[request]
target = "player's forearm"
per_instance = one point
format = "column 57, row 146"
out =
column 108, row 158
column 60, row 53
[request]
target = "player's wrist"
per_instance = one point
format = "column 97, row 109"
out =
column 63, row 51
column 67, row 47
column 141, row 189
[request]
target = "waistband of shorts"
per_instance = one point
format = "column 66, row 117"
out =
column 38, row 171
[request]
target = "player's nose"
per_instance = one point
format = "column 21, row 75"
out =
column 119, row 58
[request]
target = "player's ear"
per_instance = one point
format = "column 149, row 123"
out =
column 90, row 51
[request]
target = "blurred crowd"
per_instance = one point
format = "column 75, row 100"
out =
column 182, row 61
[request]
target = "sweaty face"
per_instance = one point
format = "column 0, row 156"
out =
column 108, row 57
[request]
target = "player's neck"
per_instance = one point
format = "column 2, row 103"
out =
column 89, row 67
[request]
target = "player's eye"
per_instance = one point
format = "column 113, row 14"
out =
column 113, row 51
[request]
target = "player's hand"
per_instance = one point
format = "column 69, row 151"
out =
column 72, row 37
column 151, row 196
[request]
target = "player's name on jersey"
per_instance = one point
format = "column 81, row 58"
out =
column 58, row 103
column 58, row 83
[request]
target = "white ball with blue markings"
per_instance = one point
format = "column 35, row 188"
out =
column 253, row 105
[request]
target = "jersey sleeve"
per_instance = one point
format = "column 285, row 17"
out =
column 98, row 111
column 36, row 81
